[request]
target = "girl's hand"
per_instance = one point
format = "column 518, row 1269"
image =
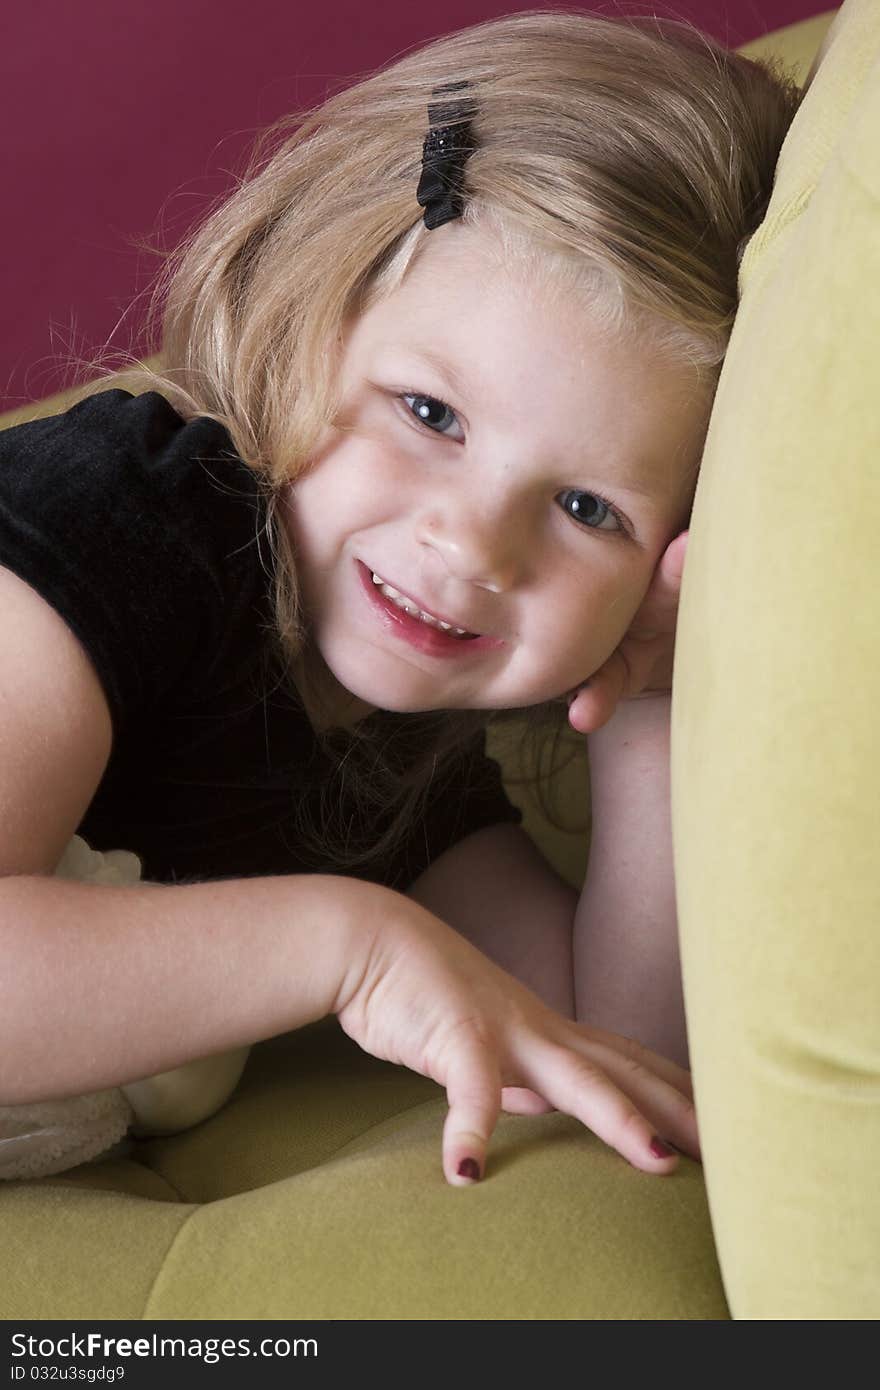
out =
column 429, row 1000
column 642, row 665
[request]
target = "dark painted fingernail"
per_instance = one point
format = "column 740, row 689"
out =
column 469, row 1168
column 661, row 1150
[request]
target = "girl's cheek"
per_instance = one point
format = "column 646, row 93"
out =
column 587, row 629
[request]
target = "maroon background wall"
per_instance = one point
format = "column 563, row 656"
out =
column 120, row 122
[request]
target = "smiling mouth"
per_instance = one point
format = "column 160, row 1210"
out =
column 409, row 605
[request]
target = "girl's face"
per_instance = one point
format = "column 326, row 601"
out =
column 504, row 466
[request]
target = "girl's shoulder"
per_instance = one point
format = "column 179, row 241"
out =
column 116, row 449
column 141, row 528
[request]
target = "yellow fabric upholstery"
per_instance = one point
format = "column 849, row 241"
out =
column 317, row 1193
column 775, row 729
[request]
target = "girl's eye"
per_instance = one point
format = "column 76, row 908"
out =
column 588, row 508
column 591, row 510
column 434, row 414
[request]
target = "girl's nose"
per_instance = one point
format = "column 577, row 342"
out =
column 485, row 549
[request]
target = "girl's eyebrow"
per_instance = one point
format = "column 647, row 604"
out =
column 441, row 367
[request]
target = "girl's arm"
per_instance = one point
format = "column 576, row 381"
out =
column 626, row 958
column 614, row 952
column 102, row 986
column 498, row 891
column 627, row 969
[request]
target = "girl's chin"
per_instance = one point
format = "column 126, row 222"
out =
column 361, row 688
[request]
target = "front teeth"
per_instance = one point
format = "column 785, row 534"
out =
column 401, row 601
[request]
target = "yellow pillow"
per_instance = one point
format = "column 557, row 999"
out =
column 775, row 742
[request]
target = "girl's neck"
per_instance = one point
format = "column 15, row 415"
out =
column 344, row 714
column 327, row 703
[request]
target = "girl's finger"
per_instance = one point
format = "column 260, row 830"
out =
column 519, row 1100
column 662, row 1089
column 628, row 1047
column 638, row 1074
column 659, row 608
column 580, row 1087
column 671, row 567
column 594, row 704
column 473, row 1089
column 677, row 554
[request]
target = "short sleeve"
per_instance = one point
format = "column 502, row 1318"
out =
column 139, row 529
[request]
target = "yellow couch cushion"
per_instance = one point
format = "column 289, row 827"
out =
column 317, row 1193
column 775, row 744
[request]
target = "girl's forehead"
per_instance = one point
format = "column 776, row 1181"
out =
column 461, row 286
column 465, row 271
column 481, row 257
column 483, row 318
column 508, row 333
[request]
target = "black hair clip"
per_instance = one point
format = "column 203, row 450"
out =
column 447, row 146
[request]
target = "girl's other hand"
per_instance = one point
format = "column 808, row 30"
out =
column 429, row 1000
column 642, row 665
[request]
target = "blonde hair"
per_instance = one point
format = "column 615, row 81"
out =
column 632, row 158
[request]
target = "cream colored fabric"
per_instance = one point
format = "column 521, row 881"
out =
column 776, row 731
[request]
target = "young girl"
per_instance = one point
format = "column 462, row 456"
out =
column 434, row 387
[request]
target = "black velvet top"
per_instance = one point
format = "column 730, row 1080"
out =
column 144, row 532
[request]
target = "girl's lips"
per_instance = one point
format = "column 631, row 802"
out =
column 431, row 640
